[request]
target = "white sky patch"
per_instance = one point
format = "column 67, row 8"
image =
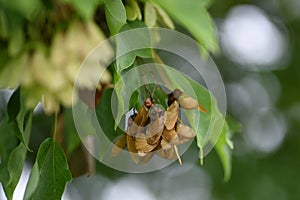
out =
column 249, row 38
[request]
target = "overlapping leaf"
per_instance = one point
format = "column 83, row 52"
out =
column 50, row 173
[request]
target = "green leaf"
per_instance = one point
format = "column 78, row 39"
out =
column 105, row 116
column 12, row 72
column 49, row 174
column 19, row 115
column 224, row 151
column 85, row 9
column 28, row 9
column 133, row 11
column 134, row 99
column 15, row 167
column 164, row 17
column 72, row 138
column 16, row 41
column 195, row 18
column 14, row 105
column 130, row 46
column 12, row 158
column 115, row 15
column 3, row 25
column 150, row 14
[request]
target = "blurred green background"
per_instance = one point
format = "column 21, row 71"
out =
column 259, row 62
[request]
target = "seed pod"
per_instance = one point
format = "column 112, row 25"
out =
column 171, row 115
column 187, row 102
column 131, row 148
column 119, row 145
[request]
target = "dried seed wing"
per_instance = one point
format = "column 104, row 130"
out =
column 119, row 145
column 141, row 144
column 166, row 153
column 146, row 158
column 185, row 131
column 142, row 116
column 170, row 136
column 165, row 144
column 131, row 148
column 171, row 115
column 155, row 130
column 139, row 120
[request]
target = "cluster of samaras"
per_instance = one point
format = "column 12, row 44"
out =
column 153, row 130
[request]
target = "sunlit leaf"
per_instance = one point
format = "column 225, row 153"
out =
column 12, row 72
column 115, row 15
column 164, row 17
column 150, row 14
column 50, row 173
column 194, row 17
column 133, row 10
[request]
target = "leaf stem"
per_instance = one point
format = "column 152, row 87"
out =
column 55, row 125
column 201, row 156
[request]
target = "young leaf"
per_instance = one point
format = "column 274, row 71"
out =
column 115, row 15
column 50, row 173
column 133, row 10
column 195, row 18
column 164, row 17
column 150, row 14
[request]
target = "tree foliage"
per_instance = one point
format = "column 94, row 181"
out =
column 43, row 43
